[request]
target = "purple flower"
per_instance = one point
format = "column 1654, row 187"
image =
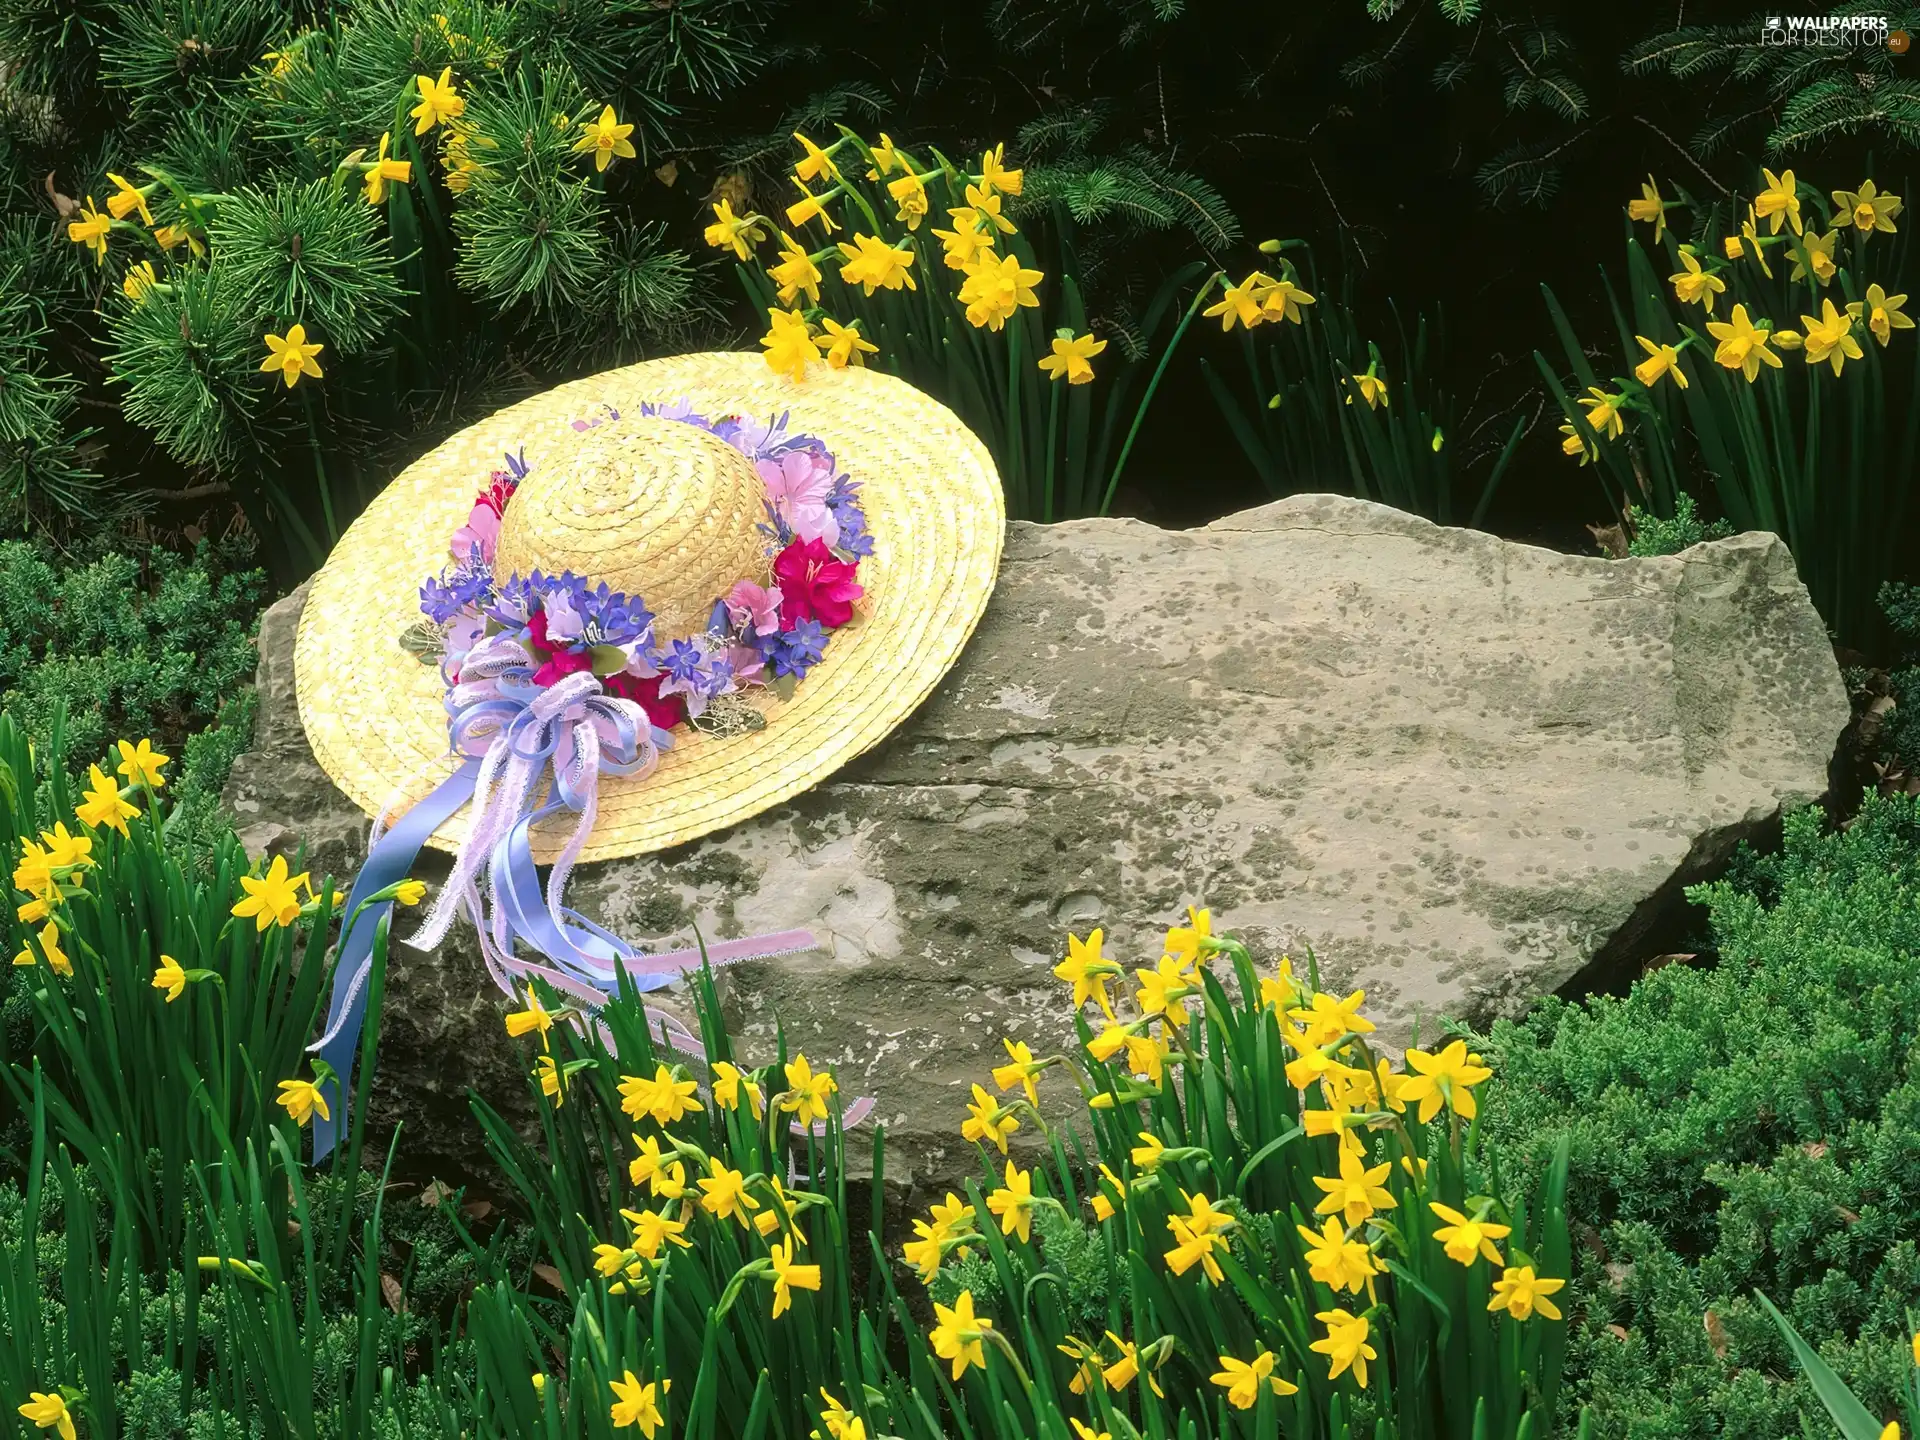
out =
column 517, row 465
column 798, row 650
column 457, row 588
column 748, row 664
column 565, row 625
column 798, row 482
column 754, row 607
column 681, row 409
column 682, row 664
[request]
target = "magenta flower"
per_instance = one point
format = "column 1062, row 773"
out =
column 753, row 607
column 814, row 585
column 798, row 483
column 558, row 662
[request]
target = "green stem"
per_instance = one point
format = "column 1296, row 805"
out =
column 1053, row 431
column 1016, row 452
column 320, row 470
column 1140, row 414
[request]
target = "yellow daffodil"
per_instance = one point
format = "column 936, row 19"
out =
column 964, row 243
column 553, row 1080
column 1241, row 302
column 1197, row 1235
column 48, row 1412
column 1732, row 247
column 103, row 804
column 808, row 1092
column 1830, row 338
column 438, row 101
column 141, row 764
column 1752, row 244
column 381, row 172
column 666, row 1096
column 410, row 892
column 1884, row 315
column 1282, row 300
column 1818, row 253
column 845, row 344
column 994, row 288
column 789, row 344
column 57, row 960
column 1014, row 1203
column 1088, row 972
column 1520, row 1293
column 1788, row 339
column 1345, row 1345
column 1372, row 388
column 605, row 139
column 168, row 976
column 91, row 230
column 795, row 274
column 1742, row 347
column 292, row 355
column 723, row 1195
column 787, row 1277
column 808, row 206
column 958, row 1334
column 872, row 263
column 1325, row 1019
column 986, row 205
column 533, row 1018
column 138, row 280
column 1650, row 207
column 128, row 198
column 1184, row 942
column 171, row 237
column 738, row 233
column 1661, row 360
column 1020, row 1071
column 841, row 1423
column 1083, row 1431
column 728, row 1084
column 885, row 158
column 1603, row 412
column 910, row 196
column 64, row 849
column 653, row 1232
column 273, row 899
column 1465, row 1239
column 1866, row 208
column 302, row 1100
column 1337, row 1262
column 1242, row 1379
column 816, row 162
column 1694, row 286
column 995, row 176
column 636, row 1404
column 1164, row 987
column 1779, row 201
column 987, row 1122
column 1448, row 1076
column 1356, row 1194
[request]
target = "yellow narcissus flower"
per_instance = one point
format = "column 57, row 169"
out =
column 994, row 288
column 738, row 233
column 965, row 242
column 841, row 1423
column 845, row 344
column 1445, row 1077
column 1830, row 338
column 872, row 263
column 1819, row 253
column 995, row 176
column 171, row 237
column 273, row 899
column 987, row 1121
column 553, row 1080
column 605, row 138
column 728, row 1083
column 128, row 198
column 723, row 1195
column 1197, row 1236
column 1779, row 201
column 138, row 280
column 1357, row 1193
column 789, row 344
column 635, row 1404
column 1088, row 972
column 1742, row 346
column 1884, row 316
column 1325, row 1019
column 1372, row 389
column 795, row 274
column 816, row 162
column 1650, row 207
column 1069, row 359
column 808, row 206
column 1867, row 208
column 1464, row 1238
column 50, row 946
column 1661, row 360
column 381, row 172
column 168, row 976
column 141, row 764
column 1733, row 247
column 1021, row 1071
column 1282, row 301
column 987, row 206
column 91, row 230
column 1336, row 1261
column 885, row 158
column 808, row 1092
column 1241, row 302
column 302, row 1100
column 410, row 892
column 1788, row 339
column 1242, row 1379
column 910, row 195
column 1520, row 1293
column 1014, row 1203
column 527, row 1021
column 292, row 355
column 1345, row 1345
column 958, row 1334
column 1750, row 241
column 438, row 101
column 103, row 804
column 48, row 1412
column 1695, row 286
column 1603, row 412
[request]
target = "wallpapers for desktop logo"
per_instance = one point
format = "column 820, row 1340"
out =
column 1849, row 32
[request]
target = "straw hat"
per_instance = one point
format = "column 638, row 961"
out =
column 667, row 513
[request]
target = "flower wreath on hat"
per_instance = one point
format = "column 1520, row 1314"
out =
column 553, row 682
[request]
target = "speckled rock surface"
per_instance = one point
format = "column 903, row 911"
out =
column 1461, row 769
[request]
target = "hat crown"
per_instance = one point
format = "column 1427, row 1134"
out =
column 658, row 509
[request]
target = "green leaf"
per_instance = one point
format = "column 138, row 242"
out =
column 1853, row 1418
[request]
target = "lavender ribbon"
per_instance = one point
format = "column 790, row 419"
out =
column 518, row 739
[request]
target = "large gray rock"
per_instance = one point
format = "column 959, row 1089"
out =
column 1460, row 770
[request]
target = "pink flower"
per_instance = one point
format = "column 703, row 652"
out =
column 797, row 484
column 558, row 661
column 752, row 607
column 814, row 585
column 748, row 665
column 665, row 711
column 482, row 530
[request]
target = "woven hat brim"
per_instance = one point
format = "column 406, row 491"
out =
column 374, row 713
